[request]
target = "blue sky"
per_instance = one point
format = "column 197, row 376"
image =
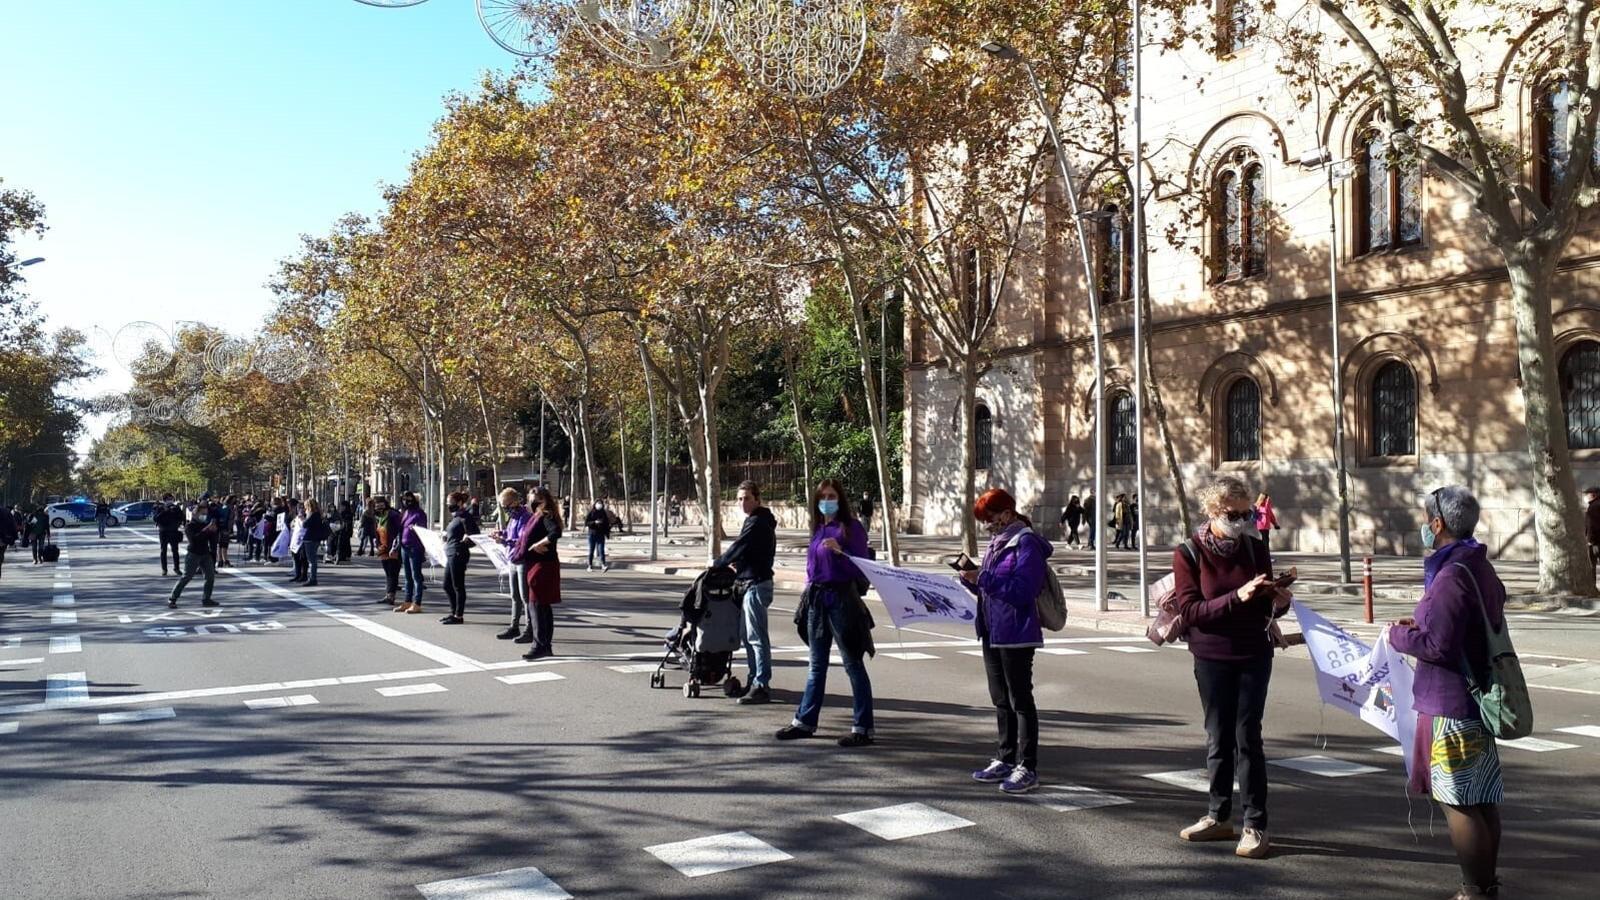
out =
column 181, row 147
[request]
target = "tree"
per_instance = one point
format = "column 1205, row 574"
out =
column 20, row 213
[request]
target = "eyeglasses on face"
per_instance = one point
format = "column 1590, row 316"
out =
column 1238, row 515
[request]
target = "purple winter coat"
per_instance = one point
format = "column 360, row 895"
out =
column 409, row 520
column 1008, row 588
column 1450, row 626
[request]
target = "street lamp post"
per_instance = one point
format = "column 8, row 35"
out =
column 30, row 262
column 1011, row 54
column 1323, row 158
column 1138, row 287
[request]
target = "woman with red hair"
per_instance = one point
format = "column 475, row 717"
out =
column 1007, row 586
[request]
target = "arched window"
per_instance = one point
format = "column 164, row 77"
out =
column 1394, row 410
column 1236, row 25
column 1116, row 254
column 1238, row 211
column 1242, row 421
column 983, row 436
column 1123, row 426
column 1580, row 394
column 1388, row 195
column 1552, row 143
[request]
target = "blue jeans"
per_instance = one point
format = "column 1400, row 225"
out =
column 757, row 645
column 411, row 564
column 101, row 521
column 597, row 541
column 817, row 678
column 313, row 552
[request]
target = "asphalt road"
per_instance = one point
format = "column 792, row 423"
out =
column 260, row 750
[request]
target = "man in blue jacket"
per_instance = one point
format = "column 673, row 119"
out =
column 750, row 556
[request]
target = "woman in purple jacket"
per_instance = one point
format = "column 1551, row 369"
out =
column 831, row 610
column 1008, row 588
column 1454, row 758
column 412, row 555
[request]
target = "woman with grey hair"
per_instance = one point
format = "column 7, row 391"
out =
column 1228, row 600
column 1454, row 759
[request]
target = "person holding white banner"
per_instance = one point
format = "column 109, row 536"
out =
column 517, row 518
column 1008, row 588
column 1455, row 760
column 1228, row 600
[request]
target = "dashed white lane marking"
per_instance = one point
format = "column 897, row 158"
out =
column 905, row 820
column 1585, row 730
column 594, row 613
column 512, row 884
column 634, row 668
column 407, row 690
column 126, row 620
column 10, row 643
column 63, row 601
column 1133, row 649
column 1062, row 651
column 1188, row 779
column 977, row 653
column 22, row 662
column 281, row 702
column 717, row 853
column 65, row 617
column 138, row 715
column 1390, row 750
column 1537, row 745
column 529, row 677
column 67, row 643
column 9, row 727
column 1073, row 797
column 909, row 656
column 1326, row 766
column 66, row 688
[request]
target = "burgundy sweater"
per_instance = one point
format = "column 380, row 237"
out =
column 1219, row 626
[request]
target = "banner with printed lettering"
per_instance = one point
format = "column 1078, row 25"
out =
column 494, row 551
column 432, row 544
column 918, row 596
column 1372, row 683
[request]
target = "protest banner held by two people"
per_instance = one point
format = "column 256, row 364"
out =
column 913, row 597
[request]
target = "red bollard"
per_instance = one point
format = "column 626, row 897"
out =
column 1366, row 586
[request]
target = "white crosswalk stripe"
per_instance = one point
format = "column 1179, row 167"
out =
column 1326, row 766
column 512, row 884
column 904, row 820
column 138, row 715
column 1584, row 730
column 408, row 690
column 1537, row 745
column 529, row 677
column 1073, row 797
column 717, row 853
column 281, row 702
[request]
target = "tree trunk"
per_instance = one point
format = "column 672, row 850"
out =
column 969, row 455
column 488, row 433
column 1564, row 566
column 807, row 444
column 622, row 451
column 588, row 448
column 1152, row 396
column 710, row 474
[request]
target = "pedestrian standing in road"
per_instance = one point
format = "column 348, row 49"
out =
column 1266, row 518
column 1071, row 518
column 274, row 520
column 1591, row 523
column 865, row 509
column 102, row 514
column 316, row 532
column 369, row 531
column 1119, row 521
column 750, row 557
column 831, row 611
column 169, row 529
column 297, row 542
column 1228, row 600
column 412, row 556
column 201, row 531
column 39, row 535
column 8, row 534
column 599, row 525
column 517, row 518
column 225, row 528
column 347, row 524
column 386, row 523
column 1090, row 520
column 1454, row 757
column 1008, row 586
column 457, row 553
column 258, row 528
column 536, row 550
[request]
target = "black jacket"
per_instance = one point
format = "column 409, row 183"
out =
column 169, row 519
column 201, row 541
column 752, row 552
column 461, row 524
column 317, row 528
column 598, row 523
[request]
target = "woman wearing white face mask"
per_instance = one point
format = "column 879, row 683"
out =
column 1228, row 601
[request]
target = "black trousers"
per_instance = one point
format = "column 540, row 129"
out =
column 391, row 575
column 544, row 622
column 1010, row 671
column 343, row 543
column 3, row 548
column 267, row 543
column 1234, row 697
column 302, row 563
column 171, row 539
column 455, row 583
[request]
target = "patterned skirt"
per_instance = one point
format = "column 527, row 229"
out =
column 1456, row 762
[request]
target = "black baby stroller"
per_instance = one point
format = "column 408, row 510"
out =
column 706, row 636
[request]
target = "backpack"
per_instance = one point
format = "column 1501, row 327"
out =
column 1169, row 625
column 1052, row 601
column 1503, row 700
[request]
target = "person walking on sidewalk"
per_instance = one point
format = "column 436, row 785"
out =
column 598, row 522
column 1227, row 597
column 102, row 514
column 1071, row 518
column 457, row 553
column 39, row 537
column 750, row 556
column 412, row 556
column 386, row 528
column 201, row 531
column 1266, row 518
column 1591, row 523
column 1454, row 758
column 536, row 551
column 517, row 518
column 169, row 529
column 1090, row 520
column 8, row 534
column 831, row 611
column 866, row 510
column 1119, row 521
column 1007, row 587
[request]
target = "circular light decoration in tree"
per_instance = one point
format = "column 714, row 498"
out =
column 143, row 348
column 280, row 360
column 195, row 411
column 648, row 34
column 798, row 48
column 391, row 4
column 528, row 28
column 229, row 357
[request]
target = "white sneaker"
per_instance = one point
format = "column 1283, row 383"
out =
column 605, row 567
column 1253, row 844
column 588, row 568
column 1208, row 829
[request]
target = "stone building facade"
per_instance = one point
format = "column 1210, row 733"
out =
column 1240, row 334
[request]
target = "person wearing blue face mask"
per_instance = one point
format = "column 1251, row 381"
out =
column 201, row 531
column 831, row 610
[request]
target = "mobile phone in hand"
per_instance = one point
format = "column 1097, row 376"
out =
column 1286, row 579
column 963, row 563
